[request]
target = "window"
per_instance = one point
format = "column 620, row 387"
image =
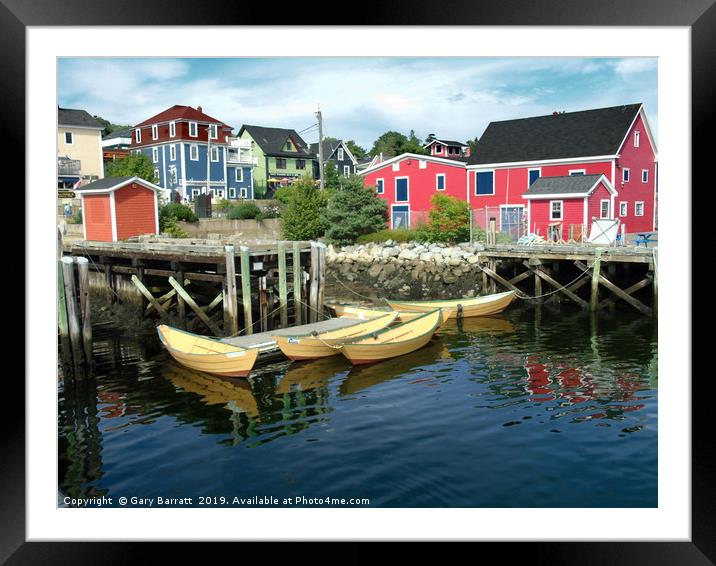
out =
column 155, row 155
column 155, row 132
column 213, row 131
column 604, row 208
column 138, row 135
column 639, row 208
column 172, row 152
column 555, row 210
column 69, row 138
column 242, row 192
column 532, row 176
column 422, row 164
column 625, row 175
column 346, row 170
column 194, row 193
column 438, row 148
column 440, row 181
column 239, row 174
column 636, row 139
column 173, row 174
column 396, row 166
column 340, row 154
column 379, row 184
column 193, row 129
column 156, row 175
column 215, row 154
column 623, row 208
column 194, row 152
column 232, row 192
column 300, row 163
column 644, row 175
column 402, row 192
column 484, row 183
column 574, row 172
column 172, row 129
column 280, row 163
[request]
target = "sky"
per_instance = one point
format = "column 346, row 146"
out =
column 360, row 97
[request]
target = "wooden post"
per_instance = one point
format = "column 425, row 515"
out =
column 313, row 289
column 304, row 293
column 85, row 308
column 246, row 289
column 198, row 310
column 62, row 317
column 321, row 280
column 594, row 303
column 147, row 295
column 231, row 307
column 282, row 284
column 297, row 300
column 263, row 304
column 109, row 278
column 181, row 305
column 73, row 315
column 493, row 231
column 655, row 300
column 493, row 283
column 538, row 286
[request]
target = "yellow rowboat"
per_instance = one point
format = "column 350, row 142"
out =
column 394, row 341
column 312, row 346
column 479, row 306
column 207, row 354
column 367, row 313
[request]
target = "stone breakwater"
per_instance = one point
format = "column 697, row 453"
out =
column 406, row 270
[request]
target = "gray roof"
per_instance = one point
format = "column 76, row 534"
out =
column 72, row 117
column 576, row 184
column 273, row 141
column 126, row 133
column 556, row 136
column 448, row 142
column 109, row 182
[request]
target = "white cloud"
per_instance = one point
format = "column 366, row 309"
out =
column 631, row 66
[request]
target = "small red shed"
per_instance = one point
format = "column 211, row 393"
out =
column 116, row 208
column 568, row 200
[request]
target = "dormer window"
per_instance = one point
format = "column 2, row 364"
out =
column 138, row 135
column 172, row 129
column 155, row 132
column 340, row 154
column 288, row 146
column 636, row 139
column 193, row 129
column 438, row 148
column 213, row 131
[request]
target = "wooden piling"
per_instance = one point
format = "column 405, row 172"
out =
column 538, row 286
column 321, row 280
column 282, row 285
column 62, row 322
column 85, row 307
column 655, row 283
column 263, row 304
column 181, row 305
column 596, row 268
column 231, row 307
column 246, row 289
column 297, row 300
column 73, row 315
column 198, row 310
column 313, row 289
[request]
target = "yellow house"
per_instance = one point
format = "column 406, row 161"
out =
column 79, row 148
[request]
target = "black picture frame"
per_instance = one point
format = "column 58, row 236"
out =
column 700, row 16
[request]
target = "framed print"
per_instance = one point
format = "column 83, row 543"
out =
column 508, row 415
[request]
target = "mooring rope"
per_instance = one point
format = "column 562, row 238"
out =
column 98, row 270
column 351, row 290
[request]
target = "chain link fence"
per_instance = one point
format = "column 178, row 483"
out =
column 510, row 223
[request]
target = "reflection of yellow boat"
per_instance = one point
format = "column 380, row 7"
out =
column 362, row 377
column 214, row 390
column 479, row 306
column 207, row 354
column 489, row 324
column 310, row 375
column 311, row 346
column 367, row 313
column 393, row 341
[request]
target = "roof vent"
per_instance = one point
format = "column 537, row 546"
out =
column 198, row 108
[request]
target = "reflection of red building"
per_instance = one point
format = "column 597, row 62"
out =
column 111, row 405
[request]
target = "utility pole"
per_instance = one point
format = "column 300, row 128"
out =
column 208, row 158
column 320, row 147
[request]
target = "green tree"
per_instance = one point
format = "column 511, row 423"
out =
column 357, row 151
column 395, row 143
column 302, row 215
column 473, row 145
column 109, row 127
column 354, row 210
column 134, row 164
column 331, row 178
column 449, row 220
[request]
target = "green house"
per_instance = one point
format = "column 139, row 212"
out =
column 283, row 157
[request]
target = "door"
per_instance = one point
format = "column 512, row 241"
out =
column 400, row 217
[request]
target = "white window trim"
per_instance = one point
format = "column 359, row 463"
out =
column 637, row 135
column 172, row 152
column 643, row 180
column 439, row 148
column 444, row 181
column 493, row 183
column 232, row 192
column 156, row 174
column 155, row 132
column 155, row 155
column 138, row 134
column 239, row 174
column 380, row 192
column 346, row 170
column 570, row 171
column 395, row 187
column 173, row 173
column 213, row 131
column 339, row 154
column 172, row 129
column 391, row 214
column 624, row 208
column 601, row 209
column 538, row 169
column 195, row 193
column 243, row 193
column 211, row 154
column 626, row 172
column 72, row 138
column 195, row 128
column 192, row 147
column 561, row 210
column 636, row 205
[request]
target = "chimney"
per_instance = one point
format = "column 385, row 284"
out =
column 198, row 108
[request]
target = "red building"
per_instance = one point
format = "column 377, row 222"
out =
column 116, row 208
column 615, row 142
column 448, row 148
column 409, row 181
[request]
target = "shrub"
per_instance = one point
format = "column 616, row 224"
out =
column 399, row 235
column 172, row 228
column 271, row 211
column 244, row 211
column 224, row 205
column 77, row 218
column 449, row 220
column 283, row 194
column 302, row 215
column 353, row 211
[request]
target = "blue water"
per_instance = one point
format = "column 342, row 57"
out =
column 535, row 408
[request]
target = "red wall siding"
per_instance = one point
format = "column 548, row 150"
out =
column 134, row 206
column 421, row 183
column 572, row 213
column 636, row 159
column 97, row 218
column 594, row 204
column 182, row 133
